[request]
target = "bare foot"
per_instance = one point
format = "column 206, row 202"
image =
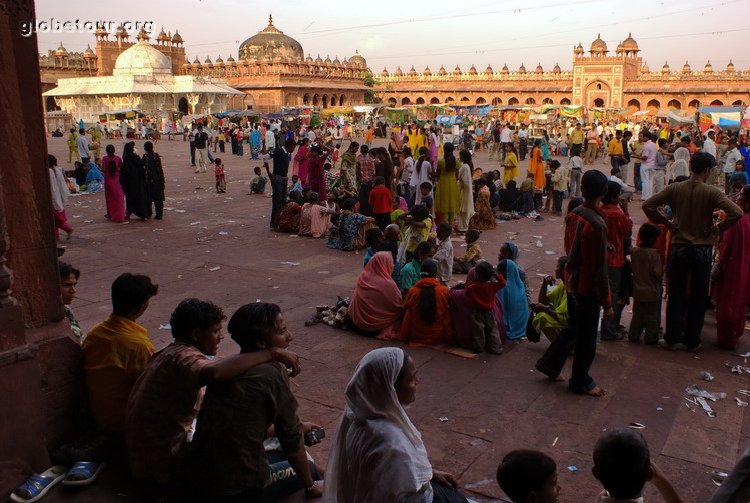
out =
column 557, row 379
column 596, row 392
column 70, row 233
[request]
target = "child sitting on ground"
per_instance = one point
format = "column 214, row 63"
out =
column 462, row 264
column 374, row 240
column 485, row 335
column 527, row 194
column 418, row 224
column 295, row 184
column 527, row 476
column 258, row 182
column 647, row 279
column 622, row 464
column 221, row 181
column 381, row 202
column 444, row 254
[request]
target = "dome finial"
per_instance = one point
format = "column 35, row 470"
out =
column 270, row 20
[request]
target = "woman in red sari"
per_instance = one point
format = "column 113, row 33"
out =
column 427, row 317
column 731, row 278
column 316, row 180
column 113, row 194
column 302, row 160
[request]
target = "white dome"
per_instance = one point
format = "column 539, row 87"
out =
column 142, row 59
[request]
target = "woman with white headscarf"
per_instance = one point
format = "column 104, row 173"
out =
column 378, row 455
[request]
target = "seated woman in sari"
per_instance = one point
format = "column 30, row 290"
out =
column 427, row 318
column 345, row 235
column 462, row 308
column 315, row 219
column 509, row 198
column 550, row 313
column 229, row 461
column 288, row 218
column 378, row 455
column 376, row 304
column 484, row 218
column 94, row 178
column 513, row 299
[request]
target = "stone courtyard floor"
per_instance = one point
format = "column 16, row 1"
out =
column 218, row 247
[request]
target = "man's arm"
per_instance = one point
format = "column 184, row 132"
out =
column 733, row 211
column 651, row 206
column 236, row 365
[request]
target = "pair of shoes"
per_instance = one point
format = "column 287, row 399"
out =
column 38, row 485
column 665, row 345
column 694, row 348
column 197, row 171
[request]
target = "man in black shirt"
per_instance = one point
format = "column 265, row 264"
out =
column 281, row 156
column 200, row 141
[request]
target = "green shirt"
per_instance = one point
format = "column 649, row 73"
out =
column 409, row 275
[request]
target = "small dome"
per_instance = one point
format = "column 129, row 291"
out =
column 399, row 72
column 328, row 60
column 196, row 63
column 88, row 53
column 521, row 69
column 505, row 69
column 427, row 72
column 309, row 59
column 61, row 51
column 730, row 67
column 219, row 61
column 269, row 43
column 336, row 61
column 619, row 49
column 186, row 64
column 412, row 72
column 142, row 59
column 143, row 35
column 122, row 32
column 665, row 68
column 686, row 68
column 357, row 60
column 162, row 37
column 578, row 50
column 473, row 70
column 556, row 69
column 457, row 70
column 442, row 71
column 539, row 68
column 489, row 70
column 345, row 62
column 644, row 68
column 176, row 38
column 318, row 60
column 708, row 68
column 384, row 73
column 629, row 44
column 231, row 61
column 598, row 45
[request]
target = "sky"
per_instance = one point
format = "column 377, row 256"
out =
column 391, row 33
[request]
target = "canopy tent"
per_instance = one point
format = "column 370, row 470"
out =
column 676, row 120
column 642, row 112
column 728, row 123
column 449, row 120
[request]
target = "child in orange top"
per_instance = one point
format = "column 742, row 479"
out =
column 381, row 202
column 221, row 182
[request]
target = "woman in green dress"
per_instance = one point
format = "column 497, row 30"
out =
column 446, row 188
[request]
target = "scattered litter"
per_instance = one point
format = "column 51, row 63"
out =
column 76, row 216
column 275, row 288
column 706, row 376
column 704, row 404
column 293, row 264
column 549, row 252
column 293, row 236
column 740, row 369
column 554, row 443
column 223, row 233
column 476, row 442
column 323, row 272
column 743, row 392
column 230, row 221
column 157, row 230
column 743, row 355
column 165, row 326
column 659, row 408
column 719, row 475
column 199, row 188
column 537, row 237
column 257, row 300
column 179, row 276
column 168, row 209
column 741, row 403
column 180, row 211
column 229, row 199
column 636, row 426
column 214, row 269
column 573, row 468
column 195, row 223
column 701, row 393
column 88, row 221
column 444, row 419
column 539, row 244
column 474, row 485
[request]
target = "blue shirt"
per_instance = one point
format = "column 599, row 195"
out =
column 409, row 275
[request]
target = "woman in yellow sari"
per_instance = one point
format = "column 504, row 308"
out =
column 413, row 134
column 510, row 165
column 536, row 165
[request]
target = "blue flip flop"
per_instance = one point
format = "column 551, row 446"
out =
column 83, row 473
column 38, row 485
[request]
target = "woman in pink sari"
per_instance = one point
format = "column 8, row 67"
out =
column 376, row 305
column 113, row 194
column 302, row 160
column 433, row 146
column 731, row 278
column 315, row 219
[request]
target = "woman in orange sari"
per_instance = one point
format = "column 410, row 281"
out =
column 536, row 165
column 427, row 317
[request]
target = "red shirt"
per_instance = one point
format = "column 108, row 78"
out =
column 483, row 294
column 619, row 229
column 586, row 247
column 381, row 199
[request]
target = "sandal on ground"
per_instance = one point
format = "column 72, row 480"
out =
column 83, row 473
column 38, row 485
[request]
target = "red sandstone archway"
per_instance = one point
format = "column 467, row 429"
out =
column 449, row 99
column 634, row 105
column 694, row 105
column 315, row 100
column 597, row 90
column 182, row 105
column 497, row 101
column 738, row 103
column 392, row 102
column 530, row 101
column 547, row 101
column 405, row 101
column 342, row 100
column 420, row 101
column 717, row 103
column 291, row 100
column 598, row 102
column 513, row 101
column 653, row 105
column 565, row 101
column 465, row 100
column 480, row 101
column 306, row 99
column 674, row 104
column 434, row 100
column 324, row 101
column 334, row 101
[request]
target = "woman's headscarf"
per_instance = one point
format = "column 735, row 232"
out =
column 378, row 454
column 513, row 249
column 513, row 299
column 377, row 302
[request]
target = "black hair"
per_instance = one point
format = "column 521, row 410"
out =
column 574, row 203
column 379, row 180
column 554, row 164
column 217, row 160
column 51, row 160
column 312, row 197
column 465, row 157
column 372, row 236
column 419, row 212
column 423, row 248
column 130, row 291
column 701, row 162
column 348, row 204
column 444, row 226
column 194, row 313
column 295, row 196
column 252, row 325
column 680, row 178
column 523, row 471
column 316, row 149
column 593, row 184
column 614, row 190
column 648, row 234
column 484, row 271
column 353, row 145
column 662, row 142
column 427, row 297
column 407, row 150
column 622, row 463
column 420, row 161
column 148, row 147
column 364, row 149
column 67, row 269
column 450, row 159
column 425, row 186
column 473, row 234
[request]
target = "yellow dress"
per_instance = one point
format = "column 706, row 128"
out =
column 510, row 173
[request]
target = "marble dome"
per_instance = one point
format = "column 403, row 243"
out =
column 142, row 59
